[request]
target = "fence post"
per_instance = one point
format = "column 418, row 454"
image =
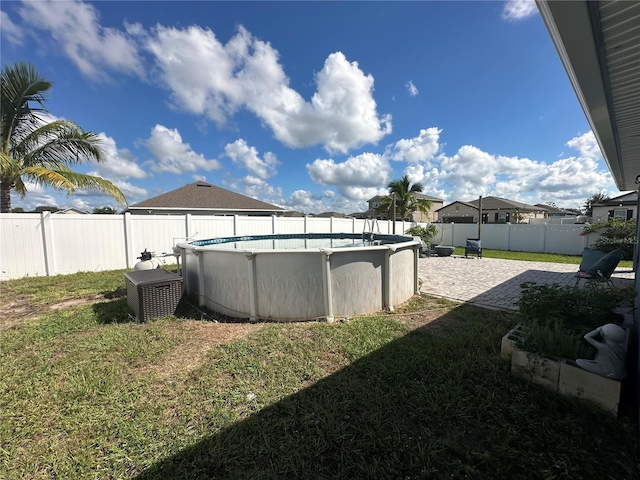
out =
column 187, row 226
column 235, row 225
column 453, row 231
column 273, row 224
column 305, row 223
column 353, row 225
column 128, row 240
column 330, row 224
column 47, row 243
column 508, row 236
column 544, row 239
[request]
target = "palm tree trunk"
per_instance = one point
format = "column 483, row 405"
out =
column 5, row 197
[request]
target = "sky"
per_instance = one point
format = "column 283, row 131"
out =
column 311, row 106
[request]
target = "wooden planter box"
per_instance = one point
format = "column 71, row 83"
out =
column 560, row 374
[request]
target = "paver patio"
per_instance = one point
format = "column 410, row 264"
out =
column 495, row 283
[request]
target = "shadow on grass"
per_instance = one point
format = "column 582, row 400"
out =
column 436, row 403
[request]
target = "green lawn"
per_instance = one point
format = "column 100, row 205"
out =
column 536, row 257
column 86, row 392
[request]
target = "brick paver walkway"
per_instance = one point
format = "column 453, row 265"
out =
column 495, row 283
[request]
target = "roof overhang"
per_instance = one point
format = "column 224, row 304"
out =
column 599, row 45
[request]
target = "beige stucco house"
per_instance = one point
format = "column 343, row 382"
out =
column 494, row 210
column 429, row 217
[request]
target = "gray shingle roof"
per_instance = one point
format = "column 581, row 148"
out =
column 495, row 203
column 203, row 195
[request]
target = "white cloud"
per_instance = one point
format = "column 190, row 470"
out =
column 10, row 30
column 472, row 172
column 305, row 201
column 364, row 170
column 247, row 157
column 258, row 188
column 329, row 193
column 199, row 178
column 118, row 163
column 341, row 114
column 93, row 48
column 418, row 149
column 172, row 155
column 515, row 10
column 587, row 145
column 412, row 89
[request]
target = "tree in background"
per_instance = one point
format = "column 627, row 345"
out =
column 614, row 233
column 107, row 209
column 45, row 208
column 37, row 150
column 406, row 202
column 595, row 198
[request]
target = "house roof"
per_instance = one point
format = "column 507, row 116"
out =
column 204, row 196
column 630, row 198
column 331, row 214
column 498, row 203
column 293, row 213
column 421, row 196
column 466, row 204
column 597, row 43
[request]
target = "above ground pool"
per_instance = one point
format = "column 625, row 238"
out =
column 301, row 276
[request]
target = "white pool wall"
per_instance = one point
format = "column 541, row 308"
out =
column 301, row 284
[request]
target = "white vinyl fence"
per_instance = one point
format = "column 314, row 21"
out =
column 34, row 244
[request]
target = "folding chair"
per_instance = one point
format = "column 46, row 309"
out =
column 598, row 265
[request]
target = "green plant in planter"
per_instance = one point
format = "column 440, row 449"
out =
column 425, row 233
column 553, row 339
column 580, row 309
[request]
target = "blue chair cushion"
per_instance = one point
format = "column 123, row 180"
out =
column 606, row 265
column 473, row 245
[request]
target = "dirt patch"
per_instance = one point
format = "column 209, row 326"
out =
column 438, row 321
column 20, row 310
column 200, row 338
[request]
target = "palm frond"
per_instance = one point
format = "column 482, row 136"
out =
column 20, row 86
column 59, row 142
column 67, row 179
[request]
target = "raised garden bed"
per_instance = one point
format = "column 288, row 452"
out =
column 560, row 374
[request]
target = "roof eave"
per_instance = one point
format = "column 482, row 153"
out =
column 570, row 26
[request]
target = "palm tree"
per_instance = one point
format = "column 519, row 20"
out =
column 39, row 151
column 406, row 202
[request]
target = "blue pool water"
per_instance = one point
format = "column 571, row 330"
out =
column 300, row 241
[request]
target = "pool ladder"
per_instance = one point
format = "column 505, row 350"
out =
column 368, row 233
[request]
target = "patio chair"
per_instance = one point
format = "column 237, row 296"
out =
column 473, row 246
column 598, row 265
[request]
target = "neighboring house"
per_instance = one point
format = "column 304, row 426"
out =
column 623, row 207
column 494, row 210
column 293, row 213
column 71, row 210
column 331, row 214
column 430, row 216
column 202, row 198
column 557, row 212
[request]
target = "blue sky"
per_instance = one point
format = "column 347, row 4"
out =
column 312, row 106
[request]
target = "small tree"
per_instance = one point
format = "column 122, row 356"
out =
column 45, row 208
column 595, row 198
column 425, row 233
column 614, row 233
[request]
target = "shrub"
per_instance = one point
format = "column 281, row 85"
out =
column 425, row 233
column 614, row 233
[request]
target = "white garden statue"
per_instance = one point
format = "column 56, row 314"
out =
column 611, row 342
